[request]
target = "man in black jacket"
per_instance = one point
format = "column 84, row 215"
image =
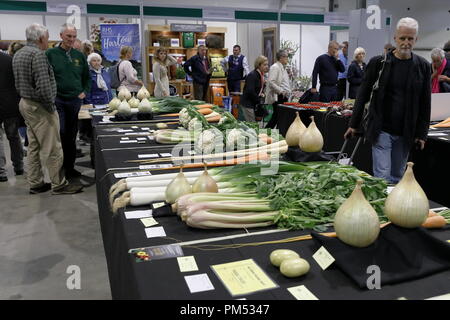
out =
column 9, row 117
column 399, row 112
column 199, row 68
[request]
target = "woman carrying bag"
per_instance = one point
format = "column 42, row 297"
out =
column 128, row 74
column 254, row 89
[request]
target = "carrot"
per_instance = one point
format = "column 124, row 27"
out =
column 434, row 222
column 171, row 115
column 214, row 119
column 205, row 111
column 431, row 213
column 203, row 106
column 266, row 139
column 223, row 163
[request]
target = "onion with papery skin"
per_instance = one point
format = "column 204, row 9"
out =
column 133, row 102
column 311, row 139
column 114, row 104
column 161, row 125
column 143, row 93
column 296, row 129
column 178, row 187
column 356, row 223
column 124, row 94
column 205, row 183
column 407, row 205
column 145, row 106
column 124, row 108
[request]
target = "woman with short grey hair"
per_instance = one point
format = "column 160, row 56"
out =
column 440, row 79
column 356, row 71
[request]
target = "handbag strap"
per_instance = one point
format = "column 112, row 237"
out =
column 375, row 87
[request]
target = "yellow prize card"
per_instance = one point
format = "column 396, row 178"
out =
column 243, row 277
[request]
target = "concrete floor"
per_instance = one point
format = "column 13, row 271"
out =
column 42, row 236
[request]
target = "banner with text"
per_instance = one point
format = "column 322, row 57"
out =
column 115, row 36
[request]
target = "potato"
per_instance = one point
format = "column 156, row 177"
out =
column 294, row 267
column 277, row 256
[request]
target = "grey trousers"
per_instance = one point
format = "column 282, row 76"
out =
column 11, row 128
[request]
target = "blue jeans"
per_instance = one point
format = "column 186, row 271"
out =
column 68, row 121
column 389, row 155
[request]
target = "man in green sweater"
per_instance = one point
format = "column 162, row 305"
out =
column 73, row 82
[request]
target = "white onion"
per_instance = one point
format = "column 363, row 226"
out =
column 124, row 108
column 311, row 140
column 356, row 223
column 124, row 94
column 114, row 104
column 143, row 93
column 407, row 205
column 296, row 129
column 177, row 188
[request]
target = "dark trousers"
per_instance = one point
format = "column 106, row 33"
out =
column 234, row 86
column 11, row 126
column 274, row 120
column 328, row 93
column 201, row 91
column 68, row 120
column 342, row 89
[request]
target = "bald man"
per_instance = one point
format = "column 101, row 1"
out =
column 327, row 67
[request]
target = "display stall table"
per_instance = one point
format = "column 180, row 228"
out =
column 162, row 279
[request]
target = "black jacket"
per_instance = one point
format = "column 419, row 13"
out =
column 250, row 96
column 445, row 86
column 355, row 76
column 198, row 71
column 417, row 115
column 9, row 102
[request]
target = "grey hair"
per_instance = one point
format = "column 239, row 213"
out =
column 35, row 31
column 67, row 26
column 281, row 53
column 94, row 56
column 358, row 51
column 408, row 23
column 438, row 53
column 86, row 42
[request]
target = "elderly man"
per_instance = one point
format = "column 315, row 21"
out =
column 342, row 76
column 237, row 68
column 73, row 83
column 199, row 68
column 327, row 67
column 36, row 86
column 399, row 111
column 278, row 87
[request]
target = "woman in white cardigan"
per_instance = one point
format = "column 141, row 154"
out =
column 161, row 64
column 128, row 74
column 278, row 86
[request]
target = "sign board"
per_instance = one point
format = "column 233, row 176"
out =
column 177, row 27
column 115, row 36
column 337, row 18
column 218, row 13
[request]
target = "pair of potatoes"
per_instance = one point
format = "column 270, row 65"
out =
column 290, row 263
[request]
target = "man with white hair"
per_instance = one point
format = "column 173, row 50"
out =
column 399, row 110
column 73, row 83
column 35, row 84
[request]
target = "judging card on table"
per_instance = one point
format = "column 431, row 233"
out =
column 199, row 283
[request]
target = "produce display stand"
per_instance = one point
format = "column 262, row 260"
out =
column 162, row 279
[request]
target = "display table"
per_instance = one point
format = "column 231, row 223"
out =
column 162, row 279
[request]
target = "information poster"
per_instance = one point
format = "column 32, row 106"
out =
column 115, row 36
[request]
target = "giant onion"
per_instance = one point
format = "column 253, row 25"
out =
column 311, row 139
column 143, row 93
column 407, row 205
column 178, row 187
column 124, row 94
column 356, row 223
column 296, row 129
column 205, row 183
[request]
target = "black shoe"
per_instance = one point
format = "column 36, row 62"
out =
column 73, row 174
column 44, row 188
column 19, row 172
column 68, row 189
column 3, row 179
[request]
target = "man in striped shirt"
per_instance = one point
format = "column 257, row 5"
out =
column 35, row 83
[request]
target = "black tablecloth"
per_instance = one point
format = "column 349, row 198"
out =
column 162, row 279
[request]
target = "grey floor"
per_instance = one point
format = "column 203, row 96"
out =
column 42, row 238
